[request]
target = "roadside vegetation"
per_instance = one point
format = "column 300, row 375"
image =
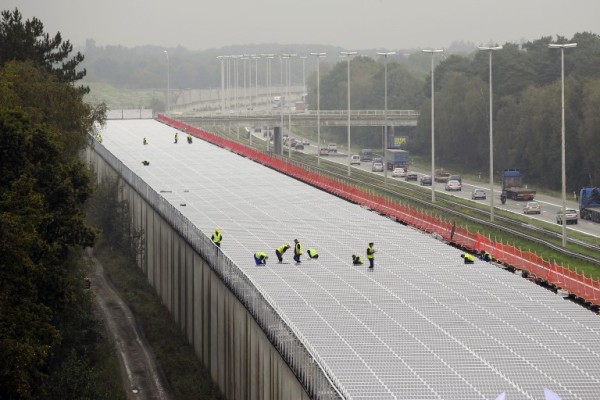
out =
column 118, row 249
column 51, row 344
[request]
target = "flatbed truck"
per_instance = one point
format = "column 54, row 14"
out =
column 512, row 186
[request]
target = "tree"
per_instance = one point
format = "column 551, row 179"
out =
column 22, row 41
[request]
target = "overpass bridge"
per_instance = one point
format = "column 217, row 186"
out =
column 302, row 118
column 421, row 325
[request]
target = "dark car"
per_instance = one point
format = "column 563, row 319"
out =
column 299, row 146
column 426, row 180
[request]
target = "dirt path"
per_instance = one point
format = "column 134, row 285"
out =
column 141, row 377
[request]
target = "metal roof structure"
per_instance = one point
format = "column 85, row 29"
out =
column 420, row 325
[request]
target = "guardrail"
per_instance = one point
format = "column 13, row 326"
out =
column 575, row 283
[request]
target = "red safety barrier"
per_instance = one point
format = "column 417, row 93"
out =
column 575, row 283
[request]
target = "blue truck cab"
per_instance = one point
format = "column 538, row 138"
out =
column 589, row 204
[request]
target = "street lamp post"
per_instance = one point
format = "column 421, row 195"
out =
column 256, row 58
column 303, row 58
column 281, row 58
column 228, row 83
column 347, row 54
column 319, row 56
column 385, row 169
column 490, row 50
column 562, row 48
column 432, row 52
column 168, row 83
column 268, row 57
column 221, row 58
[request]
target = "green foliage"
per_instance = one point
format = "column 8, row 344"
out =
column 527, row 118
column 26, row 40
column 46, row 313
column 110, row 215
column 186, row 375
column 118, row 248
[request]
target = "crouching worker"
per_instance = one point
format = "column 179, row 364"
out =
column 260, row 258
column 356, row 260
column 280, row 251
column 485, row 256
column 469, row 259
column 312, row 253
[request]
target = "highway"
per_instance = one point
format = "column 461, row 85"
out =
column 549, row 205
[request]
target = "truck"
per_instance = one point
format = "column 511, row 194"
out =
column 589, row 204
column 278, row 102
column 441, row 175
column 366, row 155
column 512, row 186
column 397, row 159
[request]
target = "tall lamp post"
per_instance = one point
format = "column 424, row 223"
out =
column 562, row 48
column 281, row 59
column 385, row 169
column 168, row 83
column 490, row 50
column 303, row 58
column 221, row 58
column 319, row 56
column 268, row 57
column 348, row 54
column 256, row 58
column 432, row 52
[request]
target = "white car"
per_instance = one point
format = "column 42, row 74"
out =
column 355, row 159
column 398, row 173
column 533, row 207
column 453, row 185
column 377, row 167
column 571, row 216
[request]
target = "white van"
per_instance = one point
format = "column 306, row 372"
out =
column 355, row 159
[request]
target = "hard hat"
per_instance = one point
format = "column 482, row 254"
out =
column 216, row 229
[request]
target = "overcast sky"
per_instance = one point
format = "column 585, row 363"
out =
column 352, row 24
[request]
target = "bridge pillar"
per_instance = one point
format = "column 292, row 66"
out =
column 277, row 140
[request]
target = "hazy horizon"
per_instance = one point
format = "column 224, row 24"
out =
column 351, row 24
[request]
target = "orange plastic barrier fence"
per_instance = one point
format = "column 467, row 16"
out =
column 578, row 284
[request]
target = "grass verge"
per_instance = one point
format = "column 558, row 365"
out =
column 186, row 375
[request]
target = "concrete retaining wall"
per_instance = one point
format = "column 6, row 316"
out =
column 225, row 336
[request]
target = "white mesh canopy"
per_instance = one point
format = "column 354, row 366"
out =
column 420, row 325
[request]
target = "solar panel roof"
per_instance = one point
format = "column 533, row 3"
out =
column 420, row 325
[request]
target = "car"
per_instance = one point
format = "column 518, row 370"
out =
column 453, row 185
column 299, row 146
column 411, row 176
column 306, row 142
column 355, row 159
column 293, row 142
column 332, row 147
column 455, row 178
column 533, row 207
column 571, row 216
column 425, row 180
column 323, row 151
column 377, row 167
column 398, row 173
column 478, row 194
